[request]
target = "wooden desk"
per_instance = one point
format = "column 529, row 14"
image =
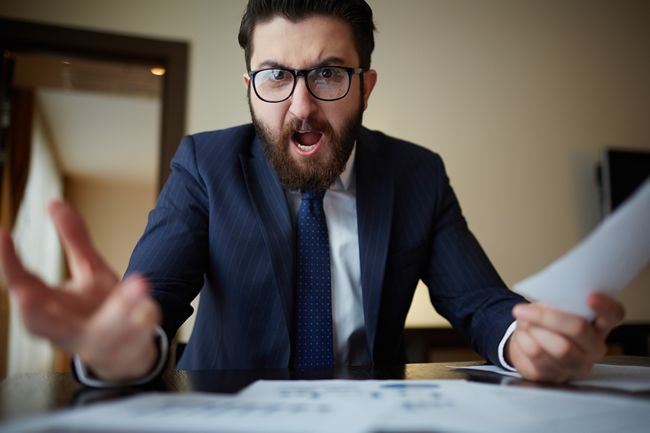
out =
column 30, row 394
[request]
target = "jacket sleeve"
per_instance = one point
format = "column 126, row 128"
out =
column 172, row 252
column 463, row 285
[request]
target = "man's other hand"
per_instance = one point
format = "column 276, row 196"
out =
column 551, row 345
column 108, row 323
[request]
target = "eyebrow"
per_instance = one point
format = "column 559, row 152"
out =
column 328, row 61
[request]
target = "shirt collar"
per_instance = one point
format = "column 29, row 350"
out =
column 344, row 181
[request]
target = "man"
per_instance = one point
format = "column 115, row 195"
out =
column 305, row 233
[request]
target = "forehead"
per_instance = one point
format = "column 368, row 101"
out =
column 304, row 43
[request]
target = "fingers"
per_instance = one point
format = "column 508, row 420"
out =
column 85, row 263
column 609, row 312
column 17, row 277
column 573, row 327
column 109, row 324
column 554, row 346
column 531, row 360
column 50, row 313
column 46, row 316
column 124, row 298
column 558, row 357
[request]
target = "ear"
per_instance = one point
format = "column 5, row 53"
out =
column 246, row 79
column 369, row 81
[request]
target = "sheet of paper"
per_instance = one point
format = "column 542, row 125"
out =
column 198, row 412
column 375, row 392
column 355, row 407
column 621, row 377
column 476, row 407
column 460, row 406
column 606, row 261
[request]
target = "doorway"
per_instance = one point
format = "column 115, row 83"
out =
column 110, row 81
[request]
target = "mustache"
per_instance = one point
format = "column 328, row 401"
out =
column 306, row 124
column 301, row 124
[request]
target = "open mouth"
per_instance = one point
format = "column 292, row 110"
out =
column 307, row 142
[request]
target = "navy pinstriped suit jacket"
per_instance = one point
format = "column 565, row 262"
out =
column 222, row 225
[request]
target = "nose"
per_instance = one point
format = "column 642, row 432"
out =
column 303, row 104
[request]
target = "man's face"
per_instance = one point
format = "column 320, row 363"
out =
column 308, row 141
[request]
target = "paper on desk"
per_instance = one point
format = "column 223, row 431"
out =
column 375, row 392
column 460, row 406
column 622, row 377
column 356, row 407
column 606, row 261
column 198, row 412
column 485, row 408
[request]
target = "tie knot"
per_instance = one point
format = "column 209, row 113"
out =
column 313, row 195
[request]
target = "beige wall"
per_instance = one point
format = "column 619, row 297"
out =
column 518, row 96
column 116, row 215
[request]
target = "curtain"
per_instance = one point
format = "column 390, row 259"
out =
column 38, row 246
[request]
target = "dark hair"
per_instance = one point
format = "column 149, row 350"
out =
column 357, row 13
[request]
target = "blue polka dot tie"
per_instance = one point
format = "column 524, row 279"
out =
column 313, row 346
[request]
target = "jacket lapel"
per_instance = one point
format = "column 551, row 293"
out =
column 375, row 197
column 270, row 204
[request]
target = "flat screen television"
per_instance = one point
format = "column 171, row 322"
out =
column 621, row 171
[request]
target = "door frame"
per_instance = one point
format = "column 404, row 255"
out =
column 30, row 37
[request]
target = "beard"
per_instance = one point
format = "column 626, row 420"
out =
column 318, row 172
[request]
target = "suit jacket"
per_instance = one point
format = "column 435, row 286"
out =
column 222, row 226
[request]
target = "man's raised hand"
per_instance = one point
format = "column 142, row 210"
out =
column 108, row 323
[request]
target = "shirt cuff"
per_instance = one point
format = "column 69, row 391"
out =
column 86, row 378
column 502, row 346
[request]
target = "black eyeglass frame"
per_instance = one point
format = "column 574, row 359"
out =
column 304, row 73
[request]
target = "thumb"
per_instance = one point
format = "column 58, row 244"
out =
column 111, row 326
column 131, row 290
column 609, row 312
column 124, row 298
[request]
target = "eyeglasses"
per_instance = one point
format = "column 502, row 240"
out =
column 327, row 83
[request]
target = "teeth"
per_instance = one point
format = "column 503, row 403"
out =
column 303, row 147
